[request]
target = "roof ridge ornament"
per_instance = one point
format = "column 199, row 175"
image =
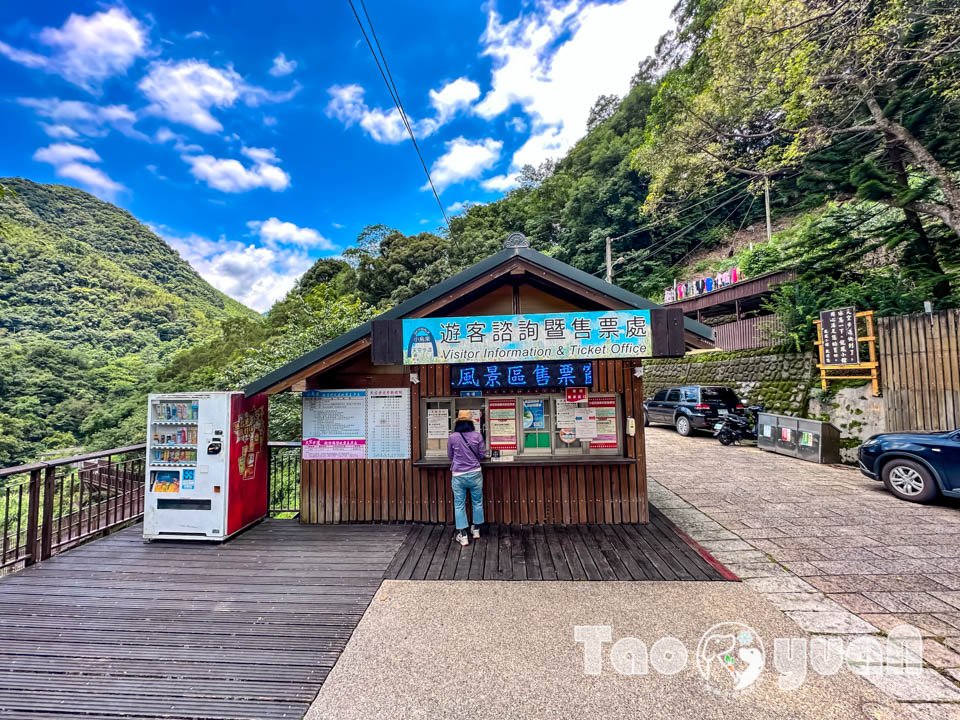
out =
column 516, row 240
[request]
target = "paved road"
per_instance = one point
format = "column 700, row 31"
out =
column 828, row 546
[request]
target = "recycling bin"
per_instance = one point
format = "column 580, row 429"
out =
column 809, row 440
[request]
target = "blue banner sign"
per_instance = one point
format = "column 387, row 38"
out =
column 577, row 336
column 503, row 376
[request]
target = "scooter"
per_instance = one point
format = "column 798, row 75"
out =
column 737, row 428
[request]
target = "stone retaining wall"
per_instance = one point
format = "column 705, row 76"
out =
column 780, row 381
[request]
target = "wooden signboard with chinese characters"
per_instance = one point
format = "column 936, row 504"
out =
column 838, row 341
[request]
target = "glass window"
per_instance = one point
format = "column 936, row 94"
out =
column 527, row 425
column 660, row 396
column 690, row 395
column 673, row 396
column 719, row 394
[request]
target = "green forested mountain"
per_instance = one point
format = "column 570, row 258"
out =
column 91, row 304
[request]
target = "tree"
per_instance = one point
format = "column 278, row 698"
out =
column 603, row 108
column 775, row 85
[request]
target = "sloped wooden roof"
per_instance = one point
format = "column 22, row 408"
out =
column 446, row 292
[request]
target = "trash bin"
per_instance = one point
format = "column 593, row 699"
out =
column 787, row 439
column 767, row 431
column 818, row 442
column 809, row 440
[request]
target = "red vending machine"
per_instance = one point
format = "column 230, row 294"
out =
column 207, row 462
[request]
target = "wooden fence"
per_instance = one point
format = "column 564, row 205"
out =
column 920, row 370
column 754, row 332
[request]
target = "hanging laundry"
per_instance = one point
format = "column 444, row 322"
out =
column 735, row 274
column 709, row 283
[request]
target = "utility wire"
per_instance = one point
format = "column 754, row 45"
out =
column 395, row 96
column 683, row 232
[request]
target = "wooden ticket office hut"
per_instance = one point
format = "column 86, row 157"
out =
column 545, row 479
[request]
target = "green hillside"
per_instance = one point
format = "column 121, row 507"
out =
column 91, row 304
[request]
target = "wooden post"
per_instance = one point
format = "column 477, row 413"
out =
column 46, row 521
column 872, row 344
column 33, row 516
column 823, row 373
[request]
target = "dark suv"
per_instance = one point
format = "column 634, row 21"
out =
column 692, row 407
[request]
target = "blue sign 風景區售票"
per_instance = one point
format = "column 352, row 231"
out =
column 541, row 337
column 504, row 376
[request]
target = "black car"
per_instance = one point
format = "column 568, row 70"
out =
column 914, row 466
column 691, row 407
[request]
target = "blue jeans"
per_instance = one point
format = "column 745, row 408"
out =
column 472, row 481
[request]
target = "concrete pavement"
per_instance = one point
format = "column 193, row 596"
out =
column 831, row 548
column 483, row 650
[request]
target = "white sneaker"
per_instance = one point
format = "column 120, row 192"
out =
column 475, row 531
column 462, row 539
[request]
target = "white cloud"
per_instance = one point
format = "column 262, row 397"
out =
column 453, row 97
column 281, row 66
column 87, row 50
column 197, row 35
column 269, row 121
column 256, row 276
column 274, row 232
column 188, row 90
column 464, row 159
column 232, row 176
column 460, row 206
column 84, row 118
column 348, row 106
column 60, row 132
column 69, row 161
column 165, row 135
column 555, row 61
column 338, row 226
column 501, row 183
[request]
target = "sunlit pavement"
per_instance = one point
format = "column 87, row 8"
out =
column 492, row 649
column 831, row 548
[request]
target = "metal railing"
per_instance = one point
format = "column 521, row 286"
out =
column 283, row 499
column 47, row 507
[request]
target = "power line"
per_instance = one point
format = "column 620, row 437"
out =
column 682, row 232
column 699, row 244
column 395, row 95
column 681, row 209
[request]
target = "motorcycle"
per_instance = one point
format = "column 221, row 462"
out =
column 737, row 428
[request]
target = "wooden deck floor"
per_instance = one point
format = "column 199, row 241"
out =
column 122, row 629
column 655, row 551
column 250, row 629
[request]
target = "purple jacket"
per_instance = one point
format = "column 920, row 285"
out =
column 463, row 451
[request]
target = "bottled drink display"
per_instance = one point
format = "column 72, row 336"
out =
column 173, row 411
column 174, row 432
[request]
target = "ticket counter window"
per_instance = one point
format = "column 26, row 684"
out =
column 527, row 427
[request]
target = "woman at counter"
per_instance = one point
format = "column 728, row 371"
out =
column 465, row 448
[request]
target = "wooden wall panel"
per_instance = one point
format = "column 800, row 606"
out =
column 335, row 491
column 920, row 370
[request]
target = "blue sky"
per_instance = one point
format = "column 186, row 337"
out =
column 256, row 137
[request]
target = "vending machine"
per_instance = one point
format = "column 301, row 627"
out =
column 207, row 464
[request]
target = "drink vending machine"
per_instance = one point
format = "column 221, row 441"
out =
column 207, row 464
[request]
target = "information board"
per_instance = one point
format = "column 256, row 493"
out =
column 575, row 336
column 502, row 423
column 371, row 424
column 388, row 423
column 438, row 423
column 606, row 410
column 334, row 424
column 839, row 336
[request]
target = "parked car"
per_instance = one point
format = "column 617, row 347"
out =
column 691, row 407
column 914, row 466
